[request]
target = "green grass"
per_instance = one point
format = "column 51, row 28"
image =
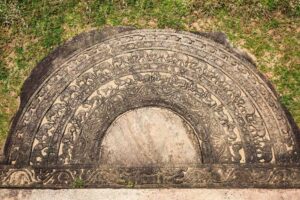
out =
column 268, row 29
column 78, row 183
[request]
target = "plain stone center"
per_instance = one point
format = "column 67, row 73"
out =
column 150, row 136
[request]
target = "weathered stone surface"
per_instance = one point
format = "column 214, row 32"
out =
column 150, row 137
column 149, row 108
column 152, row 194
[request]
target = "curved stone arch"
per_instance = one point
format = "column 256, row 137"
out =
column 99, row 133
column 213, row 53
column 100, row 117
column 126, row 108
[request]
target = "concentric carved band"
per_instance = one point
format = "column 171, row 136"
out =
column 234, row 113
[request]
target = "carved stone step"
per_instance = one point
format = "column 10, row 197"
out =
column 157, row 108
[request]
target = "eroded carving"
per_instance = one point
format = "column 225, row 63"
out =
column 241, row 126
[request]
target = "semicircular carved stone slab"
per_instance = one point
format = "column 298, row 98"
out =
column 225, row 111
